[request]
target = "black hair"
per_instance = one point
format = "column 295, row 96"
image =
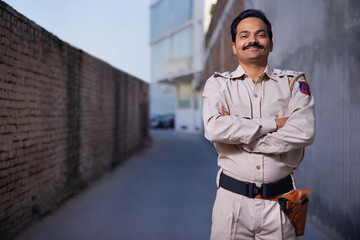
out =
column 250, row 13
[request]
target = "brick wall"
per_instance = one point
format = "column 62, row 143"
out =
column 221, row 57
column 65, row 119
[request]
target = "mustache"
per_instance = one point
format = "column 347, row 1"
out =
column 253, row 45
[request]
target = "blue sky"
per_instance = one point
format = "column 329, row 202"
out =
column 116, row 31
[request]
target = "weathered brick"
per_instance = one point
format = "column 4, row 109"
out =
column 5, row 197
column 213, row 62
column 4, row 173
column 60, row 118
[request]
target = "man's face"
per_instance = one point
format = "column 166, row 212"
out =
column 253, row 44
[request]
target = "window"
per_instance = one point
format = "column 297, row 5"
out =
column 184, row 96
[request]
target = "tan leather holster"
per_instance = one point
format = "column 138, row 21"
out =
column 295, row 205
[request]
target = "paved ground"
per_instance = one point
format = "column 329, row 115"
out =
column 164, row 192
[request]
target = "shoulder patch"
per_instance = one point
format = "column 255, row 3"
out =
column 304, row 88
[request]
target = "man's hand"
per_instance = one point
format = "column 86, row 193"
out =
column 223, row 112
column 280, row 122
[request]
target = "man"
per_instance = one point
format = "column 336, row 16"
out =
column 259, row 119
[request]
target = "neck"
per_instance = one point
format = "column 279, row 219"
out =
column 253, row 70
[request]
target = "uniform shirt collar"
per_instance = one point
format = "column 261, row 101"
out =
column 239, row 72
column 270, row 73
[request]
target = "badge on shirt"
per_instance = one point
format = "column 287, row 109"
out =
column 304, row 88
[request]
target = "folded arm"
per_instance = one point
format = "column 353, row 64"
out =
column 298, row 131
column 229, row 129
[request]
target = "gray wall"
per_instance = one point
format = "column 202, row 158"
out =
column 321, row 38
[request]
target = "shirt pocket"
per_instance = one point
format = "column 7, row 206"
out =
column 240, row 111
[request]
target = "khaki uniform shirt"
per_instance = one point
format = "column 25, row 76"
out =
column 250, row 146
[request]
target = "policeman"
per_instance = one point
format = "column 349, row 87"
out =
column 259, row 119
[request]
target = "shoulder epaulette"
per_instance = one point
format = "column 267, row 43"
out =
column 286, row 72
column 224, row 74
column 293, row 76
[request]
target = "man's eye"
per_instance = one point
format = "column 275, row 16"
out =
column 243, row 36
column 261, row 35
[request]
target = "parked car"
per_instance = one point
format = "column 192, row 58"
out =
column 162, row 121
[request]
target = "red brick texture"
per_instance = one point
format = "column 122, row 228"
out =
column 65, row 119
column 221, row 57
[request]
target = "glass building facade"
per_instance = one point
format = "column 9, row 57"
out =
column 172, row 54
column 176, row 60
column 167, row 15
column 171, row 48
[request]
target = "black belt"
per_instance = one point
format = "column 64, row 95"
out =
column 250, row 190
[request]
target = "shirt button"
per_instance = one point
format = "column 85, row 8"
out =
column 236, row 115
column 258, row 167
column 276, row 115
column 255, row 95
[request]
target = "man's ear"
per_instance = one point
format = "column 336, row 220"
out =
column 234, row 48
column 271, row 46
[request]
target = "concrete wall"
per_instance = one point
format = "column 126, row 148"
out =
column 65, row 119
column 321, row 39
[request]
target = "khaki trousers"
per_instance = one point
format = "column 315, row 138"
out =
column 239, row 217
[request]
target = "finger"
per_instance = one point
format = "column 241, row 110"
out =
column 226, row 113
column 221, row 111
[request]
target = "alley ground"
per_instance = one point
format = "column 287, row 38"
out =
column 163, row 192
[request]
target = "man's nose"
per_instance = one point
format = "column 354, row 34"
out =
column 253, row 39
